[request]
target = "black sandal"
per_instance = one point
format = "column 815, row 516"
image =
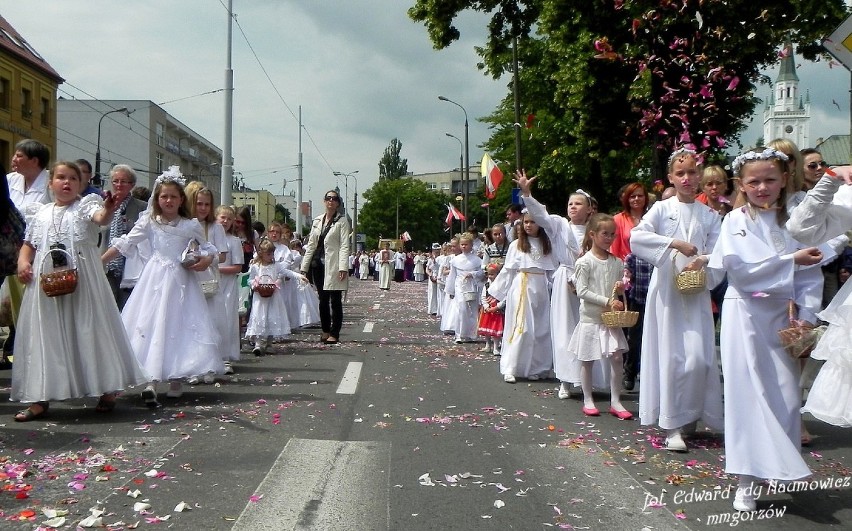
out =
column 106, row 405
column 26, row 415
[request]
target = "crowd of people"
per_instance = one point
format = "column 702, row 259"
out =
column 554, row 296
column 123, row 292
column 598, row 301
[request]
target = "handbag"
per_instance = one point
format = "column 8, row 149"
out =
column 11, row 238
column 800, row 338
column 210, row 284
column 190, row 255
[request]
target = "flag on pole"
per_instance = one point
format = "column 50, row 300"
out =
column 492, row 174
column 453, row 213
column 406, row 237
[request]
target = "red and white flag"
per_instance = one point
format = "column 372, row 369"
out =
column 453, row 213
column 492, row 174
column 406, row 237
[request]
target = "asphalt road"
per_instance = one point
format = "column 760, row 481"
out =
column 394, row 428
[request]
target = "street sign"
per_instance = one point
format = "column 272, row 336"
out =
column 839, row 43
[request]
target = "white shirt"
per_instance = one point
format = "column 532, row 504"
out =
column 37, row 193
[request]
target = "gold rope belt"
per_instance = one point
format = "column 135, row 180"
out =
column 519, row 311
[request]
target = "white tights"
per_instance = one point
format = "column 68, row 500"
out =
column 615, row 374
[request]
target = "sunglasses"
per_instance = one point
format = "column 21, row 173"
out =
column 815, row 165
column 332, row 198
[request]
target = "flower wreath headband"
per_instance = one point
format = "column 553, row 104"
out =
column 172, row 175
column 682, row 151
column 766, row 154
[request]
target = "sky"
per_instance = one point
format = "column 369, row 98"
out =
column 361, row 70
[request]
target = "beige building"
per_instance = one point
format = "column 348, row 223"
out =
column 450, row 182
column 261, row 203
column 27, row 94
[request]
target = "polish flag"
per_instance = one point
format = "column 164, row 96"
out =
column 492, row 175
column 406, row 237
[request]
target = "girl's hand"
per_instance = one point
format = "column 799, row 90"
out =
column 524, row 183
column 202, row 264
column 840, row 173
column 617, row 305
column 807, row 257
column 684, row 248
column 696, row 264
column 303, row 278
column 25, row 272
column 112, row 201
column 619, row 287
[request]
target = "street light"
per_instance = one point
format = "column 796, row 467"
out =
column 466, row 179
column 354, row 206
column 461, row 160
column 98, row 149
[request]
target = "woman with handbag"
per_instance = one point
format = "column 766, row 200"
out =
column 326, row 264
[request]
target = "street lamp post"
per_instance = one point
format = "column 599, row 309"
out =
column 346, row 177
column 466, row 180
column 98, row 149
column 461, row 161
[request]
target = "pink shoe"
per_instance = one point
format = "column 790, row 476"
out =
column 591, row 411
column 623, row 415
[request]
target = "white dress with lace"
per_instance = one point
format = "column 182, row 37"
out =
column 72, row 345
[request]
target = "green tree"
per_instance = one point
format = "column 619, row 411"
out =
column 392, row 165
column 283, row 215
column 421, row 212
column 614, row 86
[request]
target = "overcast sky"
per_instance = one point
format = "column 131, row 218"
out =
column 361, row 70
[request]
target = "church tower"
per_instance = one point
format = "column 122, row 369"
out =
column 787, row 113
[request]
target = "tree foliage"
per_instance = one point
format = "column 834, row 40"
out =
column 421, row 212
column 612, row 86
column 392, row 165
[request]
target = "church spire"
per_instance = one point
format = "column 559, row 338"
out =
column 787, row 72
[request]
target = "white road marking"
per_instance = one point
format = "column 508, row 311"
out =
column 349, row 382
column 368, row 327
column 329, row 485
column 376, row 306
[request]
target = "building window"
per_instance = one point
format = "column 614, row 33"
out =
column 26, row 104
column 433, row 186
column 160, row 131
column 160, row 166
column 45, row 112
column 445, row 186
column 4, row 94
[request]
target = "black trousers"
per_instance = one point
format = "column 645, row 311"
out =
column 633, row 356
column 330, row 303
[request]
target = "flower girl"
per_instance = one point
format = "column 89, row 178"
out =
column 166, row 316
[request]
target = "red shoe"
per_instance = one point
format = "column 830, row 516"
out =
column 591, row 411
column 623, row 415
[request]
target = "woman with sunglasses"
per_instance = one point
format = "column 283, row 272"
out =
column 326, row 264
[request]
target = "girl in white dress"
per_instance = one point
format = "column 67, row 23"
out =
column 679, row 372
column 762, row 396
column 166, row 317
column 269, row 319
column 567, row 237
column 449, row 311
column 284, row 255
column 826, row 212
column 524, row 283
column 306, row 293
column 200, row 202
column 463, row 286
column 364, row 265
column 227, row 300
column 73, row 345
column 596, row 273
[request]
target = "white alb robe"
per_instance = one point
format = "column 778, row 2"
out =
column 680, row 381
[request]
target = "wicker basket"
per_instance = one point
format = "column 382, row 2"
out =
column 265, row 289
column 622, row 319
column 61, row 281
column 800, row 338
column 689, row 282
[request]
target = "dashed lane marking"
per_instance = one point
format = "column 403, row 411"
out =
column 349, row 382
